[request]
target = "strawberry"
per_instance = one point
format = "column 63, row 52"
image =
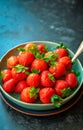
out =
column 26, row 58
column 61, row 52
column 50, row 57
column 39, row 64
column 6, row 75
column 71, row 79
column 62, row 88
column 33, row 79
column 45, row 95
column 47, row 79
column 12, row 61
column 37, row 72
column 57, row 70
column 19, row 72
column 30, row 46
column 66, row 61
column 20, row 86
column 48, row 95
column 29, row 94
column 42, row 48
column 9, row 86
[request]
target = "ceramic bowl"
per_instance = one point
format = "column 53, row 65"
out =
column 14, row 98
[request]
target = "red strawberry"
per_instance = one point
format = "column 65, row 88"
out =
column 18, row 74
column 26, row 58
column 12, row 61
column 58, row 70
column 47, row 79
column 61, row 52
column 42, row 48
column 39, row 64
column 9, row 86
column 31, row 47
column 66, row 61
column 33, row 79
column 62, row 88
column 71, row 80
column 29, row 94
column 45, row 95
column 20, row 86
column 6, row 75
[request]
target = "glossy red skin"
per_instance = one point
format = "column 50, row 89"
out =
column 66, row 61
column 18, row 76
column 33, row 79
column 61, row 52
column 45, row 95
column 26, row 58
column 9, row 86
column 39, row 64
column 41, row 48
column 12, row 61
column 45, row 80
column 71, row 79
column 6, row 75
column 60, row 85
column 25, row 96
column 58, row 70
column 20, row 86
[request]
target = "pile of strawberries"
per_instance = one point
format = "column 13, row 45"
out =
column 38, row 73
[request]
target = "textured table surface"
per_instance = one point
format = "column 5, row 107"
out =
column 51, row 20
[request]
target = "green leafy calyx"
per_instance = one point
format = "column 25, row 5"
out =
column 75, row 72
column 20, row 68
column 39, row 56
column 34, row 92
column 61, row 46
column 35, row 71
column 52, row 57
column 33, row 49
column 51, row 77
column 66, row 92
column 21, row 49
column 56, row 100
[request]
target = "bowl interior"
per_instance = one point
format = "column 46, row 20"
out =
column 38, row 105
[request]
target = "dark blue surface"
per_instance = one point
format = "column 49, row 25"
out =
column 29, row 20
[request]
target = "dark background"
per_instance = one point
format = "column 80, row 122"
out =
column 51, row 20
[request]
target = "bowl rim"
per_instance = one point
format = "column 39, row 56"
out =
column 37, row 104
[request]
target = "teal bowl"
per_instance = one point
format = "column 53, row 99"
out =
column 14, row 98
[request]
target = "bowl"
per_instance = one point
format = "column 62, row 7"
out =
column 14, row 98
